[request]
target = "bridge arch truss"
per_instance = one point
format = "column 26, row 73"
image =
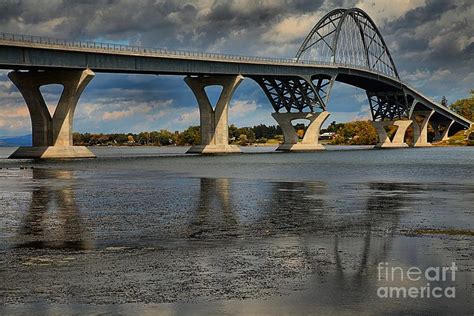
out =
column 348, row 37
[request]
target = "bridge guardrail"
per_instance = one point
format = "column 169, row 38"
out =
column 147, row 51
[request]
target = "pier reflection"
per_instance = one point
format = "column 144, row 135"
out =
column 214, row 213
column 307, row 230
column 357, row 259
column 53, row 219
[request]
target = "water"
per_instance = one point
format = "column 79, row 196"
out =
column 156, row 230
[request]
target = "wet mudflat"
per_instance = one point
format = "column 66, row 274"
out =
column 257, row 233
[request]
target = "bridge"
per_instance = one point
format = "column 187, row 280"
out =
column 344, row 46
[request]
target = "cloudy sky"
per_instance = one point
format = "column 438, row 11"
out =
column 432, row 43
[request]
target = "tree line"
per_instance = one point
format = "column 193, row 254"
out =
column 360, row 132
column 354, row 133
column 190, row 136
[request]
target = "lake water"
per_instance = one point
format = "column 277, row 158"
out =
column 145, row 230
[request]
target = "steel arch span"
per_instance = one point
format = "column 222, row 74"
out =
column 348, row 37
column 349, row 48
column 346, row 46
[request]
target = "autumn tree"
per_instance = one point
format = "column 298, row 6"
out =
column 465, row 107
column 356, row 133
column 243, row 140
column 300, row 133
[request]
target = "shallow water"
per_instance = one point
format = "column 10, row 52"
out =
column 261, row 232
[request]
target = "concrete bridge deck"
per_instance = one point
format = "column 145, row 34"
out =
column 25, row 52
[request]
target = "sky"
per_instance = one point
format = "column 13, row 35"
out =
column 431, row 42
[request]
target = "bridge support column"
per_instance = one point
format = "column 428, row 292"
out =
column 52, row 135
column 420, row 129
column 399, row 137
column 214, row 122
column 310, row 140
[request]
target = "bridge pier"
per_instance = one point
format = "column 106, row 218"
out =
column 420, row 129
column 398, row 140
column 214, row 122
column 52, row 135
column 310, row 140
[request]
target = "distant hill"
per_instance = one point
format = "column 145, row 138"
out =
column 14, row 141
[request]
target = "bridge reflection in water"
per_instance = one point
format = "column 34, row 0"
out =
column 214, row 211
column 224, row 208
column 300, row 210
column 336, row 246
column 53, row 219
column 226, row 239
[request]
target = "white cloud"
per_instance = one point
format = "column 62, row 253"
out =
column 361, row 98
column 14, row 118
column 364, row 113
column 340, row 117
column 191, row 116
column 292, row 28
column 116, row 115
column 440, row 74
column 384, row 11
column 418, row 74
column 237, row 109
column 242, row 108
column 421, row 77
column 113, row 110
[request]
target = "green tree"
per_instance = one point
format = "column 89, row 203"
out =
column 191, row 136
column 263, row 131
column 154, row 138
column 233, row 132
column 333, row 127
column 121, row 138
column 248, row 132
column 78, row 139
column 144, row 138
column 444, row 101
column 164, row 137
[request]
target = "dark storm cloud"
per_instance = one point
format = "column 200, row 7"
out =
column 438, row 31
column 431, row 44
column 173, row 24
column 432, row 47
column 418, row 16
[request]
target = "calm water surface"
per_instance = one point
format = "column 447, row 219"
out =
column 141, row 230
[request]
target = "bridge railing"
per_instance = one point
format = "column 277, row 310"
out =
column 147, row 51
